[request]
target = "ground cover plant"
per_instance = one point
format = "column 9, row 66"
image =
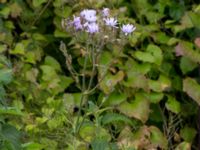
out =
column 99, row 74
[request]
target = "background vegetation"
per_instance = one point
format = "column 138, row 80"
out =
column 148, row 99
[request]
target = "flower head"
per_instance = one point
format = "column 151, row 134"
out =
column 128, row 28
column 77, row 23
column 111, row 22
column 106, row 12
column 89, row 15
column 92, row 28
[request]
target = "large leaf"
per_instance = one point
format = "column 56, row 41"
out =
column 153, row 54
column 192, row 88
column 138, row 108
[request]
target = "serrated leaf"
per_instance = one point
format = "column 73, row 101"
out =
column 192, row 88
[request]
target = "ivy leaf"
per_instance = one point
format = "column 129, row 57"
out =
column 138, row 108
column 173, row 105
column 192, row 88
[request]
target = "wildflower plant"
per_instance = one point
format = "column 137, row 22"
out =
column 98, row 28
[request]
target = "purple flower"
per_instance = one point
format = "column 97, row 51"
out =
column 128, row 28
column 106, row 12
column 92, row 28
column 89, row 15
column 111, row 22
column 77, row 23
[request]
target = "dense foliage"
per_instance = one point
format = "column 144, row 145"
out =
column 148, row 99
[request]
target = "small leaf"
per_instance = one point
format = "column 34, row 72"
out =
column 114, row 118
column 19, row 49
column 10, row 111
column 192, row 88
column 183, row 146
column 173, row 105
column 37, row 3
column 187, row 65
column 157, row 137
column 5, row 76
column 50, row 61
column 115, row 99
column 188, row 134
column 154, row 97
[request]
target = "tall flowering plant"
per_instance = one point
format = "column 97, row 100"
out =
column 99, row 28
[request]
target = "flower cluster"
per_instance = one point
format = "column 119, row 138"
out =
column 89, row 21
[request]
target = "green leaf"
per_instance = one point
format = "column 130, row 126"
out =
column 114, row 117
column 153, row 54
column 5, row 76
column 50, row 61
column 11, row 137
column 173, row 105
column 10, row 111
column 138, row 108
column 19, row 49
column 109, row 82
column 162, row 84
column 37, row 3
column 32, row 146
column 158, row 138
column 100, row 144
column 89, row 132
column 154, row 97
column 188, row 134
column 187, row 65
column 183, row 146
column 192, row 88
column 115, row 99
